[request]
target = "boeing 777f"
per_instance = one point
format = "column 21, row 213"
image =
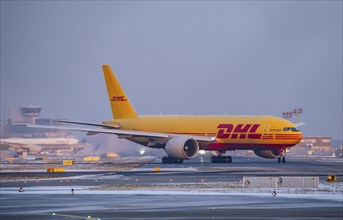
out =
column 183, row 136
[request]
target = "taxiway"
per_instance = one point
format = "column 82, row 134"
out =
column 195, row 189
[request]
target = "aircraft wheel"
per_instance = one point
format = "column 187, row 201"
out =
column 171, row 160
column 279, row 159
column 213, row 159
column 222, row 159
column 228, row 159
column 283, row 160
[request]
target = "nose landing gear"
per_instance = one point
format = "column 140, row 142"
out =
column 281, row 159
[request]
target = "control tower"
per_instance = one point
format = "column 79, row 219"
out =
column 29, row 114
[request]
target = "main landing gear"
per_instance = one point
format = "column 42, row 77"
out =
column 221, row 158
column 281, row 159
column 171, row 160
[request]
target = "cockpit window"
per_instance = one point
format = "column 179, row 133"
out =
column 290, row 129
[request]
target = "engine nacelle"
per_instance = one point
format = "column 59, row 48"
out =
column 182, row 148
column 266, row 153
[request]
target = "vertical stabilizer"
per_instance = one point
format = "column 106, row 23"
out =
column 120, row 104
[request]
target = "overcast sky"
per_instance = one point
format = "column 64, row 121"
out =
column 175, row 57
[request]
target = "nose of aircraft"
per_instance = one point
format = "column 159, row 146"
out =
column 300, row 136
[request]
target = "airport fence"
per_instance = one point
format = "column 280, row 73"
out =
column 281, row 182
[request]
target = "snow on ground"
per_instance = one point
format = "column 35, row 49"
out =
column 329, row 191
column 63, row 178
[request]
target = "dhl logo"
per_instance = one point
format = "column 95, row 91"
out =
column 118, row 99
column 240, row 131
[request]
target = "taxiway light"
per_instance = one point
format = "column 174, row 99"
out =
column 141, row 152
column 331, row 178
column 156, row 169
column 54, row 213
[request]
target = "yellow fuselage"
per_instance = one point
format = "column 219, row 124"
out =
column 230, row 132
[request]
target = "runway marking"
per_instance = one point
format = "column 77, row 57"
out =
column 75, row 216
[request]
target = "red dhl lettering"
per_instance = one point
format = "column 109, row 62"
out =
column 118, row 98
column 240, row 131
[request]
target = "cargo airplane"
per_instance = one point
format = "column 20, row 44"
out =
column 183, row 136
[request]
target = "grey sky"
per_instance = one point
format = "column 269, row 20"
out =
column 174, row 57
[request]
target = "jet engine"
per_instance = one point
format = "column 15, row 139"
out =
column 182, row 148
column 266, row 153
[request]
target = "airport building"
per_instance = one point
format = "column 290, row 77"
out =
column 339, row 151
column 19, row 141
column 30, row 114
column 314, row 146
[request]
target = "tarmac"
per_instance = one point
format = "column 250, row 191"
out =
column 196, row 189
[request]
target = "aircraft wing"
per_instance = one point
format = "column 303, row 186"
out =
column 91, row 124
column 123, row 133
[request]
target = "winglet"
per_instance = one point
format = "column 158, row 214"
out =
column 120, row 104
